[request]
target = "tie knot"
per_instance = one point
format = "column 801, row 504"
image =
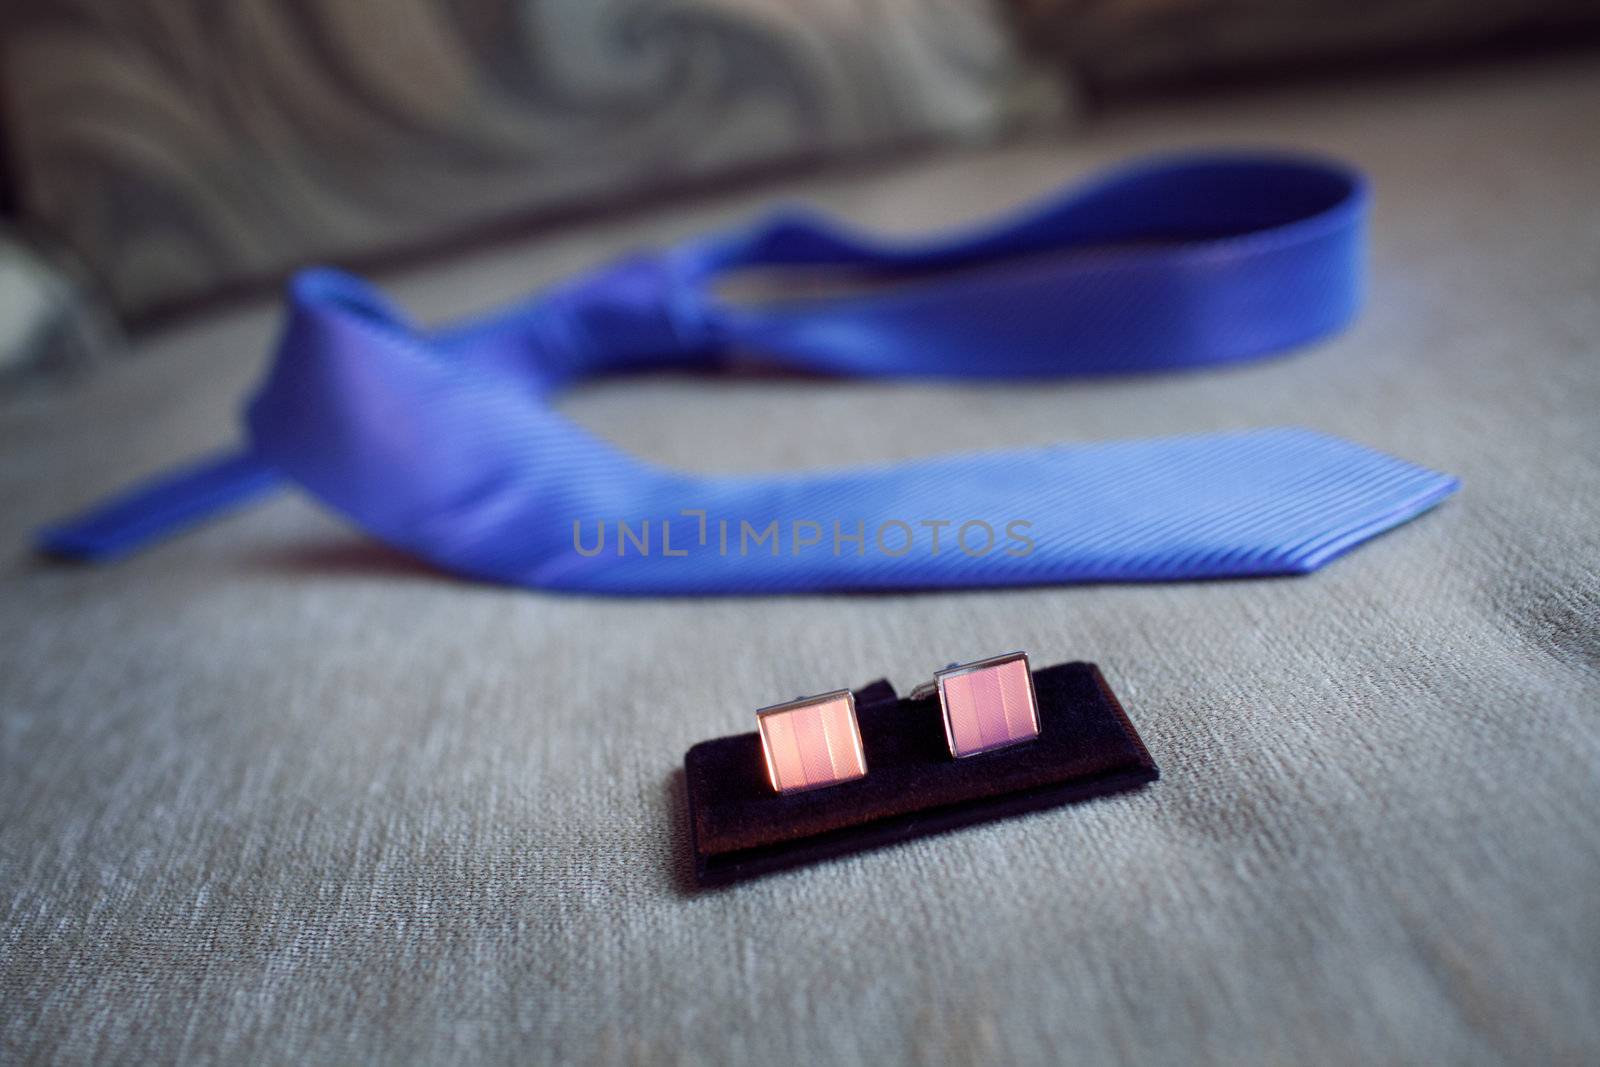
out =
column 638, row 311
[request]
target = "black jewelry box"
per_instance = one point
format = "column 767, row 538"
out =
column 739, row 827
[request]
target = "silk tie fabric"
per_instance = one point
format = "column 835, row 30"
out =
column 443, row 442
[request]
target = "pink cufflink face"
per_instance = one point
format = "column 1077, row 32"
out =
column 812, row 742
column 988, row 704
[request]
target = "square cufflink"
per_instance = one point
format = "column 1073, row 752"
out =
column 987, row 705
column 812, row 742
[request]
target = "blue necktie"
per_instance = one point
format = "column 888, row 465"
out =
column 443, row 442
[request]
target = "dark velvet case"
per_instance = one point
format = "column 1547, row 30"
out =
column 740, row 828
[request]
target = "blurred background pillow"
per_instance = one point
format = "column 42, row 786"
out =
column 186, row 147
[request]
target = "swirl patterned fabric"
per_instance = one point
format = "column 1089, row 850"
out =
column 182, row 146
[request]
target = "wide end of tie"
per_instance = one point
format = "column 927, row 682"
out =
column 1427, row 489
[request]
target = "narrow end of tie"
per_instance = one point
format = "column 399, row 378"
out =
column 158, row 509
